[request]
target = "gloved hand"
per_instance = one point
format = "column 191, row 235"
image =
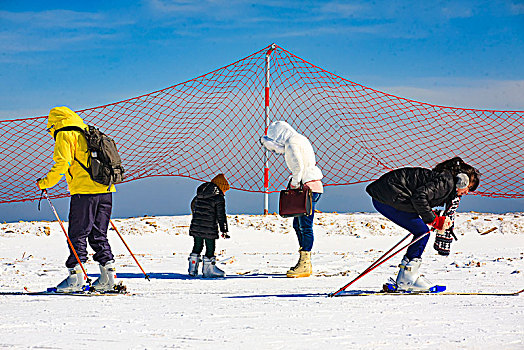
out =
column 225, row 235
column 441, row 223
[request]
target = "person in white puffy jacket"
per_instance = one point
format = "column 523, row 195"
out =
column 300, row 158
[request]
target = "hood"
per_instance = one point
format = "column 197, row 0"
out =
column 278, row 133
column 60, row 117
column 207, row 190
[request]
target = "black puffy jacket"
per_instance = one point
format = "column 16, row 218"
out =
column 414, row 190
column 209, row 211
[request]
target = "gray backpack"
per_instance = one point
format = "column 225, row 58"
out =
column 104, row 163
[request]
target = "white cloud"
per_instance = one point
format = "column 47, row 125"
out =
column 200, row 10
column 456, row 11
column 324, row 30
column 475, row 94
column 61, row 19
column 29, row 42
column 181, row 6
column 341, row 9
column 517, row 9
column 55, row 29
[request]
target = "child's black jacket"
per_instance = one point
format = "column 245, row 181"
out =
column 209, row 211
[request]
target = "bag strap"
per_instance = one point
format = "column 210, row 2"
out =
column 300, row 188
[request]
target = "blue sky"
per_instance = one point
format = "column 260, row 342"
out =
column 84, row 54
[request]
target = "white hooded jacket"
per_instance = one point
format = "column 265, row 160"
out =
column 298, row 152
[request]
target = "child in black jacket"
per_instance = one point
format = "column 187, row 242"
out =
column 209, row 214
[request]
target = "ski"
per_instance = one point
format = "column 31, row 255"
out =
column 76, row 294
column 397, row 293
column 88, row 291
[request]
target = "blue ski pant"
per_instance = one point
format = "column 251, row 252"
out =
column 89, row 216
column 303, row 226
column 411, row 222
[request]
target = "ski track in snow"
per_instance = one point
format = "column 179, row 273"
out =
column 255, row 305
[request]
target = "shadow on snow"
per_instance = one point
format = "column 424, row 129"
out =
column 180, row 276
column 293, row 295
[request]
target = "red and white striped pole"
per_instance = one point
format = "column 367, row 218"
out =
column 266, row 110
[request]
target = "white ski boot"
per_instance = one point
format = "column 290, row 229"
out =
column 210, row 270
column 106, row 281
column 75, row 282
column 409, row 278
column 194, row 261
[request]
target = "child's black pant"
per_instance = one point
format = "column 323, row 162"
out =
column 198, row 246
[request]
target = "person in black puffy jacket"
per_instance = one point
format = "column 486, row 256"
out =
column 406, row 196
column 209, row 215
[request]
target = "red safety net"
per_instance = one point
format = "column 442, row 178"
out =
column 213, row 123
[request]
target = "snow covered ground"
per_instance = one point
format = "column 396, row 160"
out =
column 255, row 306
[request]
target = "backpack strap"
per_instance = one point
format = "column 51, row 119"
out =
column 83, row 166
column 74, row 128
column 69, row 128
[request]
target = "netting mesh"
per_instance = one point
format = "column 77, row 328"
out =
column 212, row 124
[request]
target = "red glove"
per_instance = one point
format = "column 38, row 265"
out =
column 441, row 223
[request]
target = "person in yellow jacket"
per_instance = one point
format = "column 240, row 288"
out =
column 90, row 205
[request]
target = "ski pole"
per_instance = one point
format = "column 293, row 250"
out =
column 88, row 280
column 375, row 264
column 122, row 238
column 378, row 261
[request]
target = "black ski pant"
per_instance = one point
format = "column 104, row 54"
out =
column 89, row 216
column 198, row 246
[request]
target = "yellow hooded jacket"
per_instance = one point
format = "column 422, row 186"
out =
column 68, row 145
